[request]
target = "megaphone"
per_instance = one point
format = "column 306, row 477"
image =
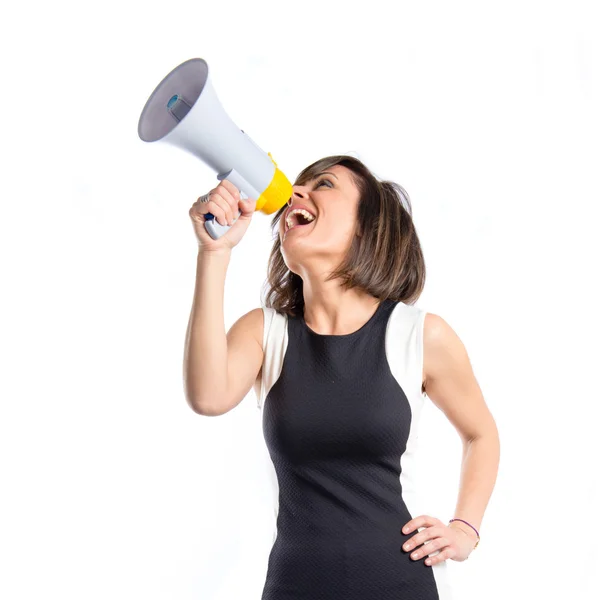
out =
column 184, row 111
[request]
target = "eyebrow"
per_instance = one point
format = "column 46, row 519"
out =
column 319, row 174
column 324, row 173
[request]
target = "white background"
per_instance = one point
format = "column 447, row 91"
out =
column 487, row 114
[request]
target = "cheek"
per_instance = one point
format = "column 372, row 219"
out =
column 343, row 218
column 342, row 227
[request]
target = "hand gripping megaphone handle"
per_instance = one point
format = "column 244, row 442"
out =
column 214, row 228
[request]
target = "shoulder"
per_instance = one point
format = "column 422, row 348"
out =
column 255, row 316
column 443, row 349
column 435, row 328
column 249, row 325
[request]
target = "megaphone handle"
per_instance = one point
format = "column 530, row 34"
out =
column 214, row 228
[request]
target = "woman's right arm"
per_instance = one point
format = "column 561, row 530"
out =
column 219, row 369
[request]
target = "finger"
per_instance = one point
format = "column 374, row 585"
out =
column 430, row 547
column 230, row 193
column 232, row 189
column 233, row 197
column 201, row 203
column 445, row 554
column 200, row 208
column 428, row 533
column 196, row 212
column 225, row 211
column 217, row 207
column 246, row 207
column 426, row 547
column 416, row 522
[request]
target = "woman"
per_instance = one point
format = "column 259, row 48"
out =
column 345, row 361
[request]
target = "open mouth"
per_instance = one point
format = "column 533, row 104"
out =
column 298, row 218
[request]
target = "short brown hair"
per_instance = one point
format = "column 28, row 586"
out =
column 384, row 260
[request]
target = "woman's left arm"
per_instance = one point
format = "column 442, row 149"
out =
column 450, row 383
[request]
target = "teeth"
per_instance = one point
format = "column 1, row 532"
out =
column 289, row 221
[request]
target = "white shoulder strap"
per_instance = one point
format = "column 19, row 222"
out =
column 404, row 351
column 275, row 340
column 404, row 345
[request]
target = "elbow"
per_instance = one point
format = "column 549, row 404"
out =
column 200, row 404
column 200, row 408
column 206, row 409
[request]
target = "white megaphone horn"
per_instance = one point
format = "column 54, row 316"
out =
column 184, row 111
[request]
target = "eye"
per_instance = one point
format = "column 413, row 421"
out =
column 323, row 181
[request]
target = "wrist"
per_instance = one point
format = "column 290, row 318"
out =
column 465, row 529
column 223, row 254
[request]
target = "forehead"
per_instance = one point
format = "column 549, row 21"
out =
column 341, row 172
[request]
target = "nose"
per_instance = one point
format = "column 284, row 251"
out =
column 297, row 194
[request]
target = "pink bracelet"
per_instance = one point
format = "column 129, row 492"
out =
column 471, row 526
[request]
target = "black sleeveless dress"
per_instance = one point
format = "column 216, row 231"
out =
column 340, row 420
